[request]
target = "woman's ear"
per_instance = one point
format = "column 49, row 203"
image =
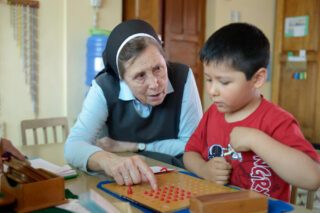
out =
column 260, row 77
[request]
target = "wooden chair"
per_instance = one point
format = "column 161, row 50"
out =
column 310, row 197
column 58, row 126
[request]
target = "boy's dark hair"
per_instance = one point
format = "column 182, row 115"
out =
column 243, row 46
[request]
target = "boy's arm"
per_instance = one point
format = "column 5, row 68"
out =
column 216, row 170
column 292, row 165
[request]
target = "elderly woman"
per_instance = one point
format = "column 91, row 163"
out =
column 138, row 103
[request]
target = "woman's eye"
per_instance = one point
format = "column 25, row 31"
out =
column 140, row 76
column 208, row 80
column 156, row 69
column 225, row 82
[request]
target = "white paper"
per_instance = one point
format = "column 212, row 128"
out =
column 160, row 169
column 94, row 202
column 98, row 64
column 297, row 26
column 64, row 171
column 74, row 206
column 300, row 58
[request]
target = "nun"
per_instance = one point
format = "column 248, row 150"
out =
column 139, row 102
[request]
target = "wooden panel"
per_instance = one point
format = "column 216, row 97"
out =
column 316, row 133
column 184, row 34
column 181, row 46
column 174, row 17
column 277, row 52
column 297, row 96
column 147, row 10
column 191, row 20
column 303, row 8
column 128, row 11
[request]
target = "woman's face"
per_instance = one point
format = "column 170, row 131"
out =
column 147, row 76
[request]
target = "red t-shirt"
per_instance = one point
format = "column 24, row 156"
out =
column 252, row 172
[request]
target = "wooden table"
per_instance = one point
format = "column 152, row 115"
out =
column 84, row 182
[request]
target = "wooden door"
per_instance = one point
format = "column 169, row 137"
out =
column 299, row 96
column 184, row 34
column 150, row 11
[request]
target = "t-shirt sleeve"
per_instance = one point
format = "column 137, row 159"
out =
column 288, row 132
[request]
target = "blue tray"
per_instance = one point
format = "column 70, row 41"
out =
column 274, row 206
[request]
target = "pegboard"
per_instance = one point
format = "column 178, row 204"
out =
column 174, row 191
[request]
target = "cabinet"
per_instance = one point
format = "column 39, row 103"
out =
column 296, row 71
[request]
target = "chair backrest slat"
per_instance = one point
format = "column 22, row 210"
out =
column 35, row 135
column 46, row 124
column 54, row 133
column 310, row 197
column 65, row 131
column 45, row 135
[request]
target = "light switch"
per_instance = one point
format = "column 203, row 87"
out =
column 235, row 16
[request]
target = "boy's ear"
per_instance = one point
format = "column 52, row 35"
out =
column 260, row 77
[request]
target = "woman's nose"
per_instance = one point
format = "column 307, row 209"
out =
column 153, row 82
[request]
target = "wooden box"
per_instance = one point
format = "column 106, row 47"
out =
column 36, row 195
column 235, row 202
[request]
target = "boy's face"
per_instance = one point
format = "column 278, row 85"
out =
column 228, row 88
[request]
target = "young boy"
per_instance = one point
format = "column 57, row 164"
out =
column 270, row 150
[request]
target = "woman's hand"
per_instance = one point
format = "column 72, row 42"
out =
column 125, row 170
column 216, row 170
column 111, row 145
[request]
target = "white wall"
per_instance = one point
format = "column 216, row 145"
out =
column 63, row 30
column 79, row 20
column 15, row 96
column 258, row 12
